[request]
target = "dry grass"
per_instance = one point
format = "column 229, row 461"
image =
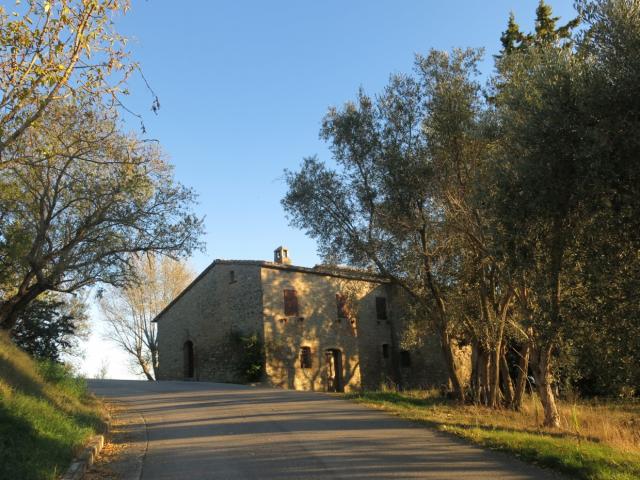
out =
column 597, row 440
column 616, row 424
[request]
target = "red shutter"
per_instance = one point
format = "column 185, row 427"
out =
column 290, row 303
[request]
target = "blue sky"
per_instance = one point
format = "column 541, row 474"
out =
column 243, row 86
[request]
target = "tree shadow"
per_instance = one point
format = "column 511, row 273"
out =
column 27, row 453
column 19, row 379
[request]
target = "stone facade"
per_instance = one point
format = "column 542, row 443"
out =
column 321, row 328
column 206, row 314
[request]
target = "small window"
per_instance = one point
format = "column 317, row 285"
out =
column 341, row 302
column 305, row 357
column 290, row 303
column 385, row 350
column 381, row 308
column 232, row 276
column 405, row 358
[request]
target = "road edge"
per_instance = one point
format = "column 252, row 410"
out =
column 84, row 461
column 128, row 427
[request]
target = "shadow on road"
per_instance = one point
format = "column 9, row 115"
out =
column 207, row 430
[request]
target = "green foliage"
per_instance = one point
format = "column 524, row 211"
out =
column 545, row 23
column 393, row 166
column 49, row 327
column 545, row 33
column 511, row 220
column 512, row 37
column 58, row 49
column 249, row 355
column 568, row 192
column 89, row 199
column 78, row 198
column 63, row 377
column 399, row 200
column 45, row 416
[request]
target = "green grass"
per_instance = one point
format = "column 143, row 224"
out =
column 46, row 416
column 511, row 432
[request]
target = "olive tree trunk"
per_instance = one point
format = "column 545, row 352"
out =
column 523, row 373
column 542, row 372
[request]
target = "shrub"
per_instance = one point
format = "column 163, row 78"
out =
column 250, row 355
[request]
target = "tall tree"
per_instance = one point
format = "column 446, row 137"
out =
column 546, row 31
column 129, row 311
column 567, row 116
column 460, row 134
column 57, row 49
column 606, row 309
column 92, row 199
column 542, row 185
column 399, row 201
column 512, row 38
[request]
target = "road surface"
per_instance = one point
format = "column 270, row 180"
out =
column 196, row 430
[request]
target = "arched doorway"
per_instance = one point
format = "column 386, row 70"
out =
column 335, row 379
column 188, row 359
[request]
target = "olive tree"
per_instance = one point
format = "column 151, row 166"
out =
column 402, row 198
column 567, row 168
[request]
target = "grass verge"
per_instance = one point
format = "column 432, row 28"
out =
column 46, row 416
column 575, row 450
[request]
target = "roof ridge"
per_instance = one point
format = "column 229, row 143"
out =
column 352, row 274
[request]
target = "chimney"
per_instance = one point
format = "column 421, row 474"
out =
column 281, row 256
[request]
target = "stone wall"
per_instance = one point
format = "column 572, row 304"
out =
column 251, row 300
column 359, row 338
column 217, row 304
column 416, row 335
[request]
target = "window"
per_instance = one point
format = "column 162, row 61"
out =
column 232, row 276
column 385, row 350
column 290, row 303
column 305, row 357
column 381, row 308
column 405, row 358
column 341, row 302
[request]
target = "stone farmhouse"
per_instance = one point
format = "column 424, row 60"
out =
column 320, row 328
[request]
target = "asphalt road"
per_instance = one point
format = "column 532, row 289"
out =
column 220, row 431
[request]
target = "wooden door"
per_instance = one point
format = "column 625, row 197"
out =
column 335, row 382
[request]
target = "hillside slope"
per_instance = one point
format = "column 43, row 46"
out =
column 46, row 415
